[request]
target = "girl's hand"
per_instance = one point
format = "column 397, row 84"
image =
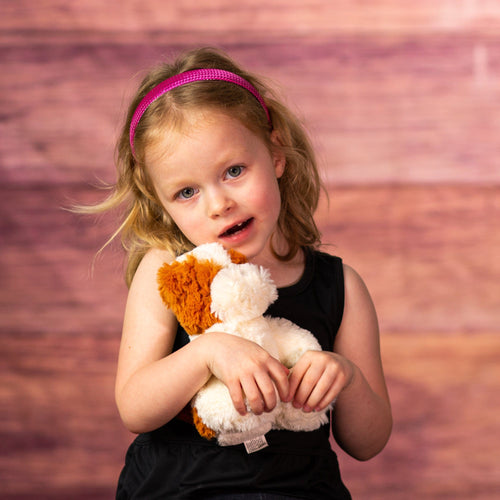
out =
column 318, row 378
column 247, row 370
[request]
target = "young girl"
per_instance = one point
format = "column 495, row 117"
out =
column 208, row 154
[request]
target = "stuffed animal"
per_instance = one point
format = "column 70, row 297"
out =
column 210, row 289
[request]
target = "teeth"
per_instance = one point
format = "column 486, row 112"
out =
column 236, row 228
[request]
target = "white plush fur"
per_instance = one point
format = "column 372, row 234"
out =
column 240, row 294
column 213, row 252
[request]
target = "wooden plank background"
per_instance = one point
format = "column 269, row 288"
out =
column 402, row 104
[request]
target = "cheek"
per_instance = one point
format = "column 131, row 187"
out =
column 268, row 194
column 183, row 220
column 191, row 226
column 180, row 218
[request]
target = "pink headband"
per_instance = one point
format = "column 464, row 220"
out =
column 196, row 75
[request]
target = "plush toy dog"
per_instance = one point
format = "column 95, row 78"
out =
column 211, row 289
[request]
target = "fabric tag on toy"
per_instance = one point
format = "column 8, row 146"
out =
column 256, row 444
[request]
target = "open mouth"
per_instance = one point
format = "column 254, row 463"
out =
column 236, row 228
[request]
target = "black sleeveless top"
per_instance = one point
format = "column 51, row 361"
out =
column 174, row 462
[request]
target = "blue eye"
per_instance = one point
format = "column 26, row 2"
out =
column 186, row 193
column 234, row 171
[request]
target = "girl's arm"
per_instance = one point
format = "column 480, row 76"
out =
column 362, row 419
column 153, row 383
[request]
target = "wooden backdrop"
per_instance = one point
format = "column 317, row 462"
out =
column 402, row 100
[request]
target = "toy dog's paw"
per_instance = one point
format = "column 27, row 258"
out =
column 202, row 429
column 294, row 419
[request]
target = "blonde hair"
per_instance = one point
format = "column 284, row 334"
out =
column 145, row 223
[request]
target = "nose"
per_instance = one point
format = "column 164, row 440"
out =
column 218, row 202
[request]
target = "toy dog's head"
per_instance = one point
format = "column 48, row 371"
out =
column 209, row 285
column 242, row 292
column 184, row 284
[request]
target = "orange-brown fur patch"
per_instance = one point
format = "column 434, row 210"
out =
column 202, row 429
column 236, row 257
column 185, row 289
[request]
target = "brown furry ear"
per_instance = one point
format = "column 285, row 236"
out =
column 185, row 288
column 237, row 257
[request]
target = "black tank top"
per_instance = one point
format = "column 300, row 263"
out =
column 174, row 462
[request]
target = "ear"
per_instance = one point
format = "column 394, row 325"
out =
column 185, row 289
column 279, row 158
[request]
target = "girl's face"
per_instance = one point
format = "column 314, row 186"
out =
column 219, row 183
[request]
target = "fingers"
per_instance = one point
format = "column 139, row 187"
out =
column 254, row 378
column 237, row 397
column 258, row 388
column 279, row 374
column 322, row 395
column 317, row 379
column 260, row 393
column 263, row 387
column 313, row 383
column 304, row 380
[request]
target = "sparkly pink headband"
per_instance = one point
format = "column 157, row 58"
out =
column 196, row 75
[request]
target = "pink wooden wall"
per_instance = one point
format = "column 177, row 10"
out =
column 402, row 101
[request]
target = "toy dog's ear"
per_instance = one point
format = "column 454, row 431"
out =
column 237, row 257
column 185, row 288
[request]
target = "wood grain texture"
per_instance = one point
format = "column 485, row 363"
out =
column 402, row 105
column 247, row 17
